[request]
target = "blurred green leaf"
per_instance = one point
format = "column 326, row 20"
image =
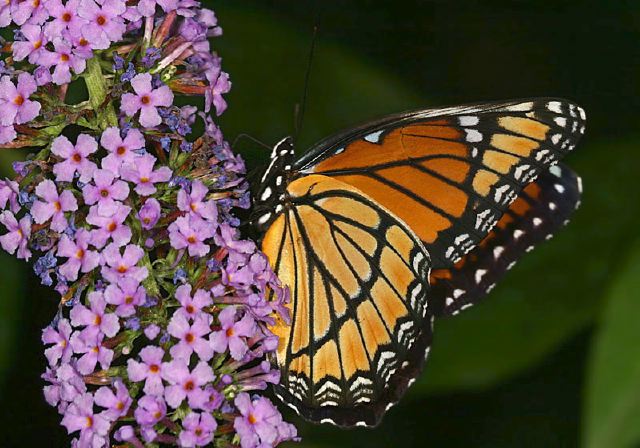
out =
column 612, row 405
column 12, row 279
column 555, row 291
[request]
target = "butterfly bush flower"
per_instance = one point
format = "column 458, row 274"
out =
column 163, row 331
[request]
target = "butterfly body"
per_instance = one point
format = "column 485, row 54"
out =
column 378, row 230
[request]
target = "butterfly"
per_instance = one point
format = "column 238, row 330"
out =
column 380, row 229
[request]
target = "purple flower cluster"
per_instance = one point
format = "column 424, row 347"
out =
column 162, row 333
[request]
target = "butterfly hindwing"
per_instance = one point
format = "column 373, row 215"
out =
column 450, row 173
column 361, row 323
column 541, row 209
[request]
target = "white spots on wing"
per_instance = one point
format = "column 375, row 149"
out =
column 556, row 171
column 327, row 420
column 374, row 137
column 469, row 120
column 583, row 114
column 555, row 106
column 559, row 188
column 279, row 208
column 473, row 136
column 552, row 206
column 560, row 121
column 404, row 329
column 522, row 107
column 264, row 218
column 555, row 138
column 389, row 406
column 511, row 265
column 287, row 167
column 500, row 194
column 449, row 301
column 579, row 181
column 497, row 251
column 360, row 382
column 479, row 274
column 536, row 221
column 474, row 152
column 410, row 382
column 279, row 181
column 266, row 194
column 485, row 220
column 417, row 260
column 517, row 233
column 414, row 295
column 457, row 293
column 362, row 424
column 529, row 249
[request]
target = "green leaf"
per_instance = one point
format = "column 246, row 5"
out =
column 612, row 405
column 12, row 279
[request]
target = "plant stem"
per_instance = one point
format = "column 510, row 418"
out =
column 97, row 87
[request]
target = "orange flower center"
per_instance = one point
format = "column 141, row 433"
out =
column 154, row 368
column 97, row 321
column 120, row 406
column 189, row 385
column 37, row 44
column 252, row 419
column 101, row 20
column 128, row 300
column 144, row 180
column 89, row 422
column 66, row 17
column 145, row 99
column 64, row 57
column 80, row 254
column 194, row 206
column 104, row 193
column 57, row 206
column 112, row 226
column 189, row 338
column 35, row 3
column 82, row 42
column 229, row 332
column 157, row 415
column 121, row 150
column 18, row 100
column 77, row 158
column 192, row 239
column 190, row 309
column 198, row 432
column 122, row 269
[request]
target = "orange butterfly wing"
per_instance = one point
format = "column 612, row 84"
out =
column 450, row 178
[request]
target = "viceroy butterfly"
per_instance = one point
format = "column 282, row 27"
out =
column 380, row 229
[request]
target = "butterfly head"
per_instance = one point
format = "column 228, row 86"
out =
column 269, row 195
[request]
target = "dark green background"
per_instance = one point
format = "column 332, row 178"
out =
column 552, row 357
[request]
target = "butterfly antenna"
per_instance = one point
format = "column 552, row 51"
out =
column 248, row 137
column 300, row 110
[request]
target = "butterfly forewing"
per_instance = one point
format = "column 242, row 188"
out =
column 359, row 284
column 450, row 173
